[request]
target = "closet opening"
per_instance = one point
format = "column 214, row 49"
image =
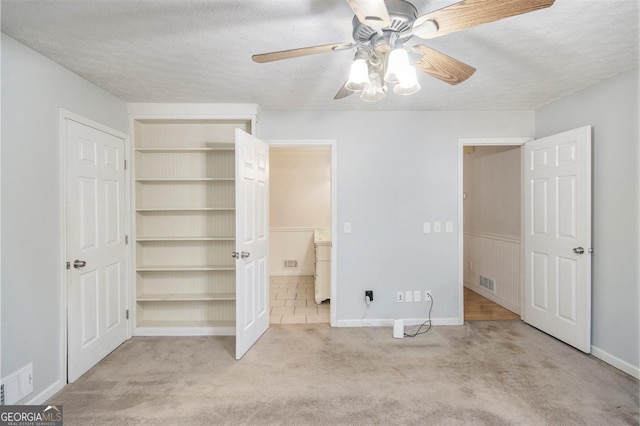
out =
column 491, row 216
column 300, row 232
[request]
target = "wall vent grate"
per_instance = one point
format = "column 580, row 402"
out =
column 17, row 385
column 488, row 283
column 290, row 263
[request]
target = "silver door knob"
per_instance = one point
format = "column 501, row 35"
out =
column 578, row 250
column 235, row 255
column 245, row 254
column 79, row 263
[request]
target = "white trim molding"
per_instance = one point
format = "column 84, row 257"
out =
column 388, row 322
column 616, row 362
column 48, row 393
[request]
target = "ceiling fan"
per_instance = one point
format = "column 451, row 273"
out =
column 382, row 27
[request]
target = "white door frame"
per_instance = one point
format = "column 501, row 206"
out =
column 331, row 143
column 461, row 144
column 62, row 226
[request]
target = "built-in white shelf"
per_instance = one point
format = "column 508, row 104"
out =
column 185, row 221
column 163, row 297
column 169, row 179
column 186, row 149
column 187, row 209
column 168, row 268
column 174, row 323
column 154, row 239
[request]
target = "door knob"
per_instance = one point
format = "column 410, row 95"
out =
column 79, row 263
column 578, row 250
column 245, row 254
column 235, row 255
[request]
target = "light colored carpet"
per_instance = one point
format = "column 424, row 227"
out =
column 484, row 373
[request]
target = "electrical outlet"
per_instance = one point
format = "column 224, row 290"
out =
column 400, row 296
column 427, row 296
column 408, row 296
column 417, row 296
column 448, row 226
column 369, row 294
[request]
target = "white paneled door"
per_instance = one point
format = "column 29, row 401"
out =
column 557, row 236
column 252, row 240
column 96, row 313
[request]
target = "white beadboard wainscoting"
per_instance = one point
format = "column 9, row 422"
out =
column 291, row 244
column 498, row 258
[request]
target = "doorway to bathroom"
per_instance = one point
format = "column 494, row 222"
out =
column 300, row 226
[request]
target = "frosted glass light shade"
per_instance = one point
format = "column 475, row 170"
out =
column 373, row 91
column 397, row 65
column 408, row 84
column 358, row 75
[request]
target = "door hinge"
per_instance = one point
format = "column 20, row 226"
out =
column 68, row 265
column 126, row 239
column 127, row 314
column 125, row 164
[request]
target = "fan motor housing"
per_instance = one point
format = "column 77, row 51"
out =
column 401, row 13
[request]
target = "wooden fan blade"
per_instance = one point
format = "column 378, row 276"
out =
column 442, row 67
column 471, row 13
column 343, row 92
column 294, row 53
column 372, row 13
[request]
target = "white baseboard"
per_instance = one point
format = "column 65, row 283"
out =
column 489, row 295
column 383, row 322
column 631, row 370
column 46, row 394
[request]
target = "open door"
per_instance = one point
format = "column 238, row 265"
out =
column 557, row 236
column 252, row 240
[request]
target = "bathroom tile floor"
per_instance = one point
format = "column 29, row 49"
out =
column 291, row 301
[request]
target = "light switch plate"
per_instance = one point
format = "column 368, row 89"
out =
column 426, row 227
column 417, row 295
column 448, row 226
column 408, row 296
column 347, row 227
column 437, row 227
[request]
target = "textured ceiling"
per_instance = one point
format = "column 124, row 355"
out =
column 200, row 51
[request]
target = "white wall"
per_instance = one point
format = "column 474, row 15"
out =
column 492, row 185
column 300, row 187
column 33, row 90
column 396, row 170
column 612, row 109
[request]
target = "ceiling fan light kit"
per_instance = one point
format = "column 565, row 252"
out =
column 397, row 66
column 373, row 90
column 408, row 85
column 366, row 75
column 382, row 27
column 358, row 74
